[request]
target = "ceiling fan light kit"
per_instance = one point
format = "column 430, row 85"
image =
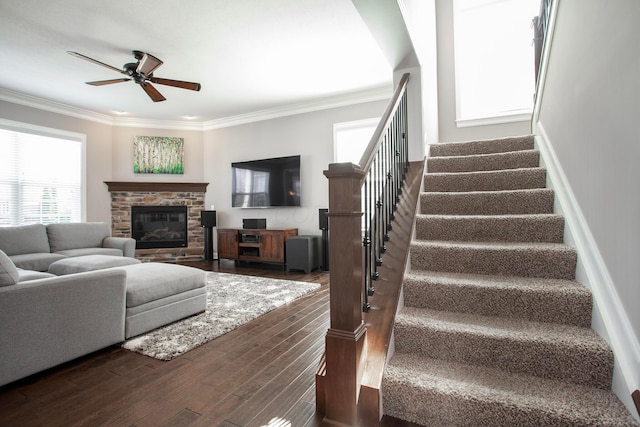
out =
column 141, row 72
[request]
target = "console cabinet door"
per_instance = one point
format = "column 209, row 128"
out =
column 227, row 243
column 272, row 246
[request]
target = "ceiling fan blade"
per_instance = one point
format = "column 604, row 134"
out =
column 176, row 83
column 107, row 82
column 152, row 92
column 148, row 63
column 86, row 58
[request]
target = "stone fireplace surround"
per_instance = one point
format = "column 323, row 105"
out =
column 127, row 194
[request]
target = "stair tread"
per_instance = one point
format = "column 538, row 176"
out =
column 533, row 177
column 498, row 155
column 486, row 193
column 531, row 259
column 516, row 246
column 495, row 281
column 530, row 298
column 514, row 143
column 508, row 227
column 516, row 171
column 413, row 384
column 492, row 202
column 501, row 327
column 534, row 216
column 483, row 162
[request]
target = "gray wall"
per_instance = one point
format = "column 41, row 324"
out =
column 589, row 110
column 586, row 129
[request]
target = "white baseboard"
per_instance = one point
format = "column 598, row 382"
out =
column 609, row 317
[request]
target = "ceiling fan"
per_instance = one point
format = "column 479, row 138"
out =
column 140, row 72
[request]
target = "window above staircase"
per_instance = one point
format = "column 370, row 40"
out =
column 494, row 61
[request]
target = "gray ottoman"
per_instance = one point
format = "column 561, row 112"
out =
column 80, row 264
column 159, row 293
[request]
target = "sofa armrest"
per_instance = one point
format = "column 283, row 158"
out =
column 126, row 244
column 46, row 322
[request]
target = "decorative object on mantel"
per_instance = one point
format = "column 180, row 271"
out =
column 232, row 300
column 158, row 154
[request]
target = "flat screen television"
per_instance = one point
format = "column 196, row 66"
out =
column 266, row 183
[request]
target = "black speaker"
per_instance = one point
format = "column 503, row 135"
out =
column 254, row 223
column 323, row 219
column 208, row 218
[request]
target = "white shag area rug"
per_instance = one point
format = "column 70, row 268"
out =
column 232, row 300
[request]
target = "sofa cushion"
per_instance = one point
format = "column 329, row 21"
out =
column 91, row 251
column 77, row 235
column 89, row 263
column 27, row 275
column 24, row 239
column 8, row 271
column 35, row 261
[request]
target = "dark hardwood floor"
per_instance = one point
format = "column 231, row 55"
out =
column 261, row 374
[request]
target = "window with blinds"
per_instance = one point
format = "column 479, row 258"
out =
column 40, row 178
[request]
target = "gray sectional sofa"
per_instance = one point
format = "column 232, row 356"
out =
column 36, row 246
column 99, row 295
column 52, row 320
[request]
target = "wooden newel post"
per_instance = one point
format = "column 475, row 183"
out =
column 346, row 336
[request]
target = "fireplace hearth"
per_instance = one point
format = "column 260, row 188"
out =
column 159, row 226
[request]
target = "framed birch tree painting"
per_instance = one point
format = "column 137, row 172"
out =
column 158, row 154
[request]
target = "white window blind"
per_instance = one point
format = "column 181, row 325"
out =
column 494, row 58
column 40, row 179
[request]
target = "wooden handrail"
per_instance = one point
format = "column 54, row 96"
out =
column 374, row 144
column 540, row 24
column 361, row 197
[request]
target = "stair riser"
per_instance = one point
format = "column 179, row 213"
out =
column 494, row 229
column 583, row 366
column 538, row 306
column 487, row 203
column 486, row 181
column 518, row 261
column 482, row 147
column 490, row 162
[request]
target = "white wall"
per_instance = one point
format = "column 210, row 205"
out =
column 588, row 118
column 447, row 89
column 309, row 135
column 420, row 19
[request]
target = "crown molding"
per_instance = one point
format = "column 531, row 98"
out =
column 374, row 94
column 53, row 106
column 133, row 122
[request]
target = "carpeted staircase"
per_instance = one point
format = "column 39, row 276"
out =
column 494, row 330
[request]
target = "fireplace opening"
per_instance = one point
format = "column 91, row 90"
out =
column 159, row 226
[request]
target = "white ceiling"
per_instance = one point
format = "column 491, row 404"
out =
column 250, row 56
